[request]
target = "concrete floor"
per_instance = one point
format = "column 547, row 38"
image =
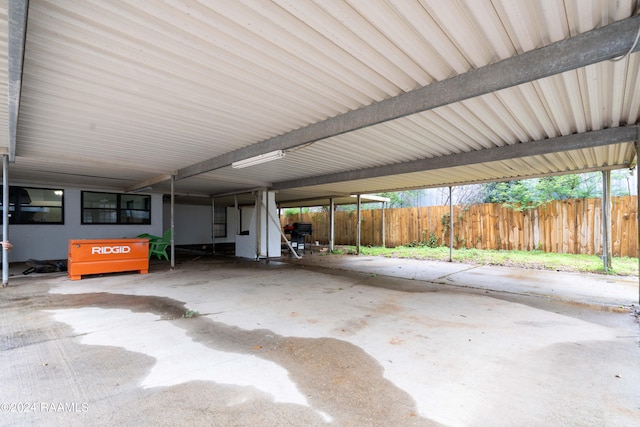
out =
column 328, row 340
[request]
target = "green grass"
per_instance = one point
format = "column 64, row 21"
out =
column 534, row 259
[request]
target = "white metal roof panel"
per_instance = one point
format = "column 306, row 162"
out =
column 126, row 91
column 4, row 79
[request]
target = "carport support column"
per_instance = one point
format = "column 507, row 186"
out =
column 450, row 225
column 5, row 219
column 258, row 211
column 638, row 212
column 358, row 228
column 213, row 225
column 266, row 222
column 173, row 228
column 384, row 229
column 606, row 219
column 332, row 224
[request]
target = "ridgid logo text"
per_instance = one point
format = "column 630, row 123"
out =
column 107, row 250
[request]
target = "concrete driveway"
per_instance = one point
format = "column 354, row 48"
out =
column 225, row 342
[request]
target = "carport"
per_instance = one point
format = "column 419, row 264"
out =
column 333, row 99
column 323, row 100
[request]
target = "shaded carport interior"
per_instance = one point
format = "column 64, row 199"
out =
column 125, row 95
column 361, row 97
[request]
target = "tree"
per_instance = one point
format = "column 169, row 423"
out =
column 526, row 194
column 531, row 193
column 402, row 199
column 295, row 211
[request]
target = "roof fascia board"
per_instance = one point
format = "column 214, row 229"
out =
column 339, row 199
column 508, row 152
column 588, row 48
column 18, row 11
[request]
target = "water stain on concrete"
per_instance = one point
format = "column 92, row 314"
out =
column 337, row 377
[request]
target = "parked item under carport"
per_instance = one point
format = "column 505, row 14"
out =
column 48, row 266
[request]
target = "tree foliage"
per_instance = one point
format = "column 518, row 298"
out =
column 402, row 199
column 532, row 193
column 295, row 211
column 527, row 194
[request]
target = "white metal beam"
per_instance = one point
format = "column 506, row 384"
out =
column 18, row 11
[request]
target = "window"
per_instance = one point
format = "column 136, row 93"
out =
column 34, row 205
column 220, row 222
column 115, row 208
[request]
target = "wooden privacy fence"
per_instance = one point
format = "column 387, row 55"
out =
column 563, row 226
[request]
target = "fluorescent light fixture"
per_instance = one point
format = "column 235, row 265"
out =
column 256, row 160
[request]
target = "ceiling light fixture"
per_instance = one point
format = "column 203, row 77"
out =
column 256, row 160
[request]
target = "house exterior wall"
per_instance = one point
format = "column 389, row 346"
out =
column 50, row 241
column 193, row 224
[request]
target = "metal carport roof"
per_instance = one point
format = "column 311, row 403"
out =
column 362, row 96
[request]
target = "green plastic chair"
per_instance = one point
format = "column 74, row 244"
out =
column 148, row 236
column 158, row 245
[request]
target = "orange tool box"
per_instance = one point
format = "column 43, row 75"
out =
column 107, row 256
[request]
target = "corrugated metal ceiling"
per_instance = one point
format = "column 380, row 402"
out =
column 118, row 93
column 4, row 78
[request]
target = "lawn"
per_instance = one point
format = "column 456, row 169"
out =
column 534, row 259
